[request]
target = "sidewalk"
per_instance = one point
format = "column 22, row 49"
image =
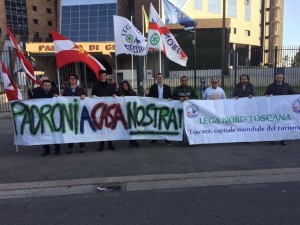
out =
column 146, row 161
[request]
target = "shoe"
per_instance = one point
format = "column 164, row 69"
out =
column 168, row 142
column 180, row 143
column 101, row 146
column 70, row 150
column 81, row 150
column 272, row 143
column 111, row 147
column 153, row 142
column 45, row 153
column 57, row 152
column 283, row 143
column 135, row 145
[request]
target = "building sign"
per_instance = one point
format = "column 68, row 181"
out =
column 48, row 47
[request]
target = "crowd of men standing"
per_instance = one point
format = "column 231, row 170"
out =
column 183, row 92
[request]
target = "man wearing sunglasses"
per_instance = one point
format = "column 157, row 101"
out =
column 214, row 92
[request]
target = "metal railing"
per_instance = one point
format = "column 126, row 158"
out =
column 286, row 60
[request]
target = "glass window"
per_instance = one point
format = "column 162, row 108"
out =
column 74, row 32
column 111, row 6
column 92, row 32
column 93, row 7
column 34, row 8
column 35, row 21
column 88, row 20
column 74, row 8
column 84, row 8
column 231, row 11
column 248, row 12
column 214, row 6
column 50, row 23
column 48, row 11
column 74, row 13
column 198, row 4
column 93, row 13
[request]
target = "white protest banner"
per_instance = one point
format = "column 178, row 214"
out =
column 243, row 120
column 71, row 120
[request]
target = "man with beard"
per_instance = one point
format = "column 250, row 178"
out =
column 244, row 88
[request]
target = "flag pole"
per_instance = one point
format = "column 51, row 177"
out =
column 143, row 22
column 58, row 79
column 160, row 14
column 132, row 63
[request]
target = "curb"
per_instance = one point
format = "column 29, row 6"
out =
column 147, row 182
column 5, row 115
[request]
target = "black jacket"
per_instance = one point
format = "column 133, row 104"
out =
column 153, row 92
column 102, row 89
column 78, row 91
column 240, row 92
column 40, row 93
column 275, row 89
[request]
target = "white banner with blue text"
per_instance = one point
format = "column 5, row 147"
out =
column 71, row 120
column 243, row 120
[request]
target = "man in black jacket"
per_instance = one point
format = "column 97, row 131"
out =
column 46, row 91
column 244, row 88
column 279, row 87
column 160, row 90
column 74, row 90
column 102, row 89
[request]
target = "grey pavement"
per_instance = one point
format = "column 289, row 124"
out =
column 25, row 173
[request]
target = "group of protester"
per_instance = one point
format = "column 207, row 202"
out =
column 109, row 87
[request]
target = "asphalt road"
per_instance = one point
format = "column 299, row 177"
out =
column 27, row 165
column 258, row 204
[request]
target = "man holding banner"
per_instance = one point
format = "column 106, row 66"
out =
column 162, row 91
column 279, row 87
column 184, row 92
column 214, row 92
column 47, row 92
column 102, row 89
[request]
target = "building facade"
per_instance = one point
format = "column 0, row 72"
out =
column 29, row 20
column 250, row 25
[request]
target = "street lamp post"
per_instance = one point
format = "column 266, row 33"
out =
column 223, row 62
column 195, row 56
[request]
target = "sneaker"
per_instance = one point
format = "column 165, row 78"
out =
column 168, row 142
column 111, row 147
column 46, row 152
column 81, row 150
column 272, row 143
column 70, row 150
column 153, row 142
column 283, row 143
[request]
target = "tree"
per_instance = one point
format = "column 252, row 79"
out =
column 296, row 61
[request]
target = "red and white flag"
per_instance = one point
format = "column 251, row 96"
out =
column 29, row 71
column 160, row 37
column 11, row 90
column 67, row 52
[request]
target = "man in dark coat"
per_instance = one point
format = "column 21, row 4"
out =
column 279, row 87
column 46, row 91
column 102, row 89
column 160, row 90
column 74, row 90
column 244, row 88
